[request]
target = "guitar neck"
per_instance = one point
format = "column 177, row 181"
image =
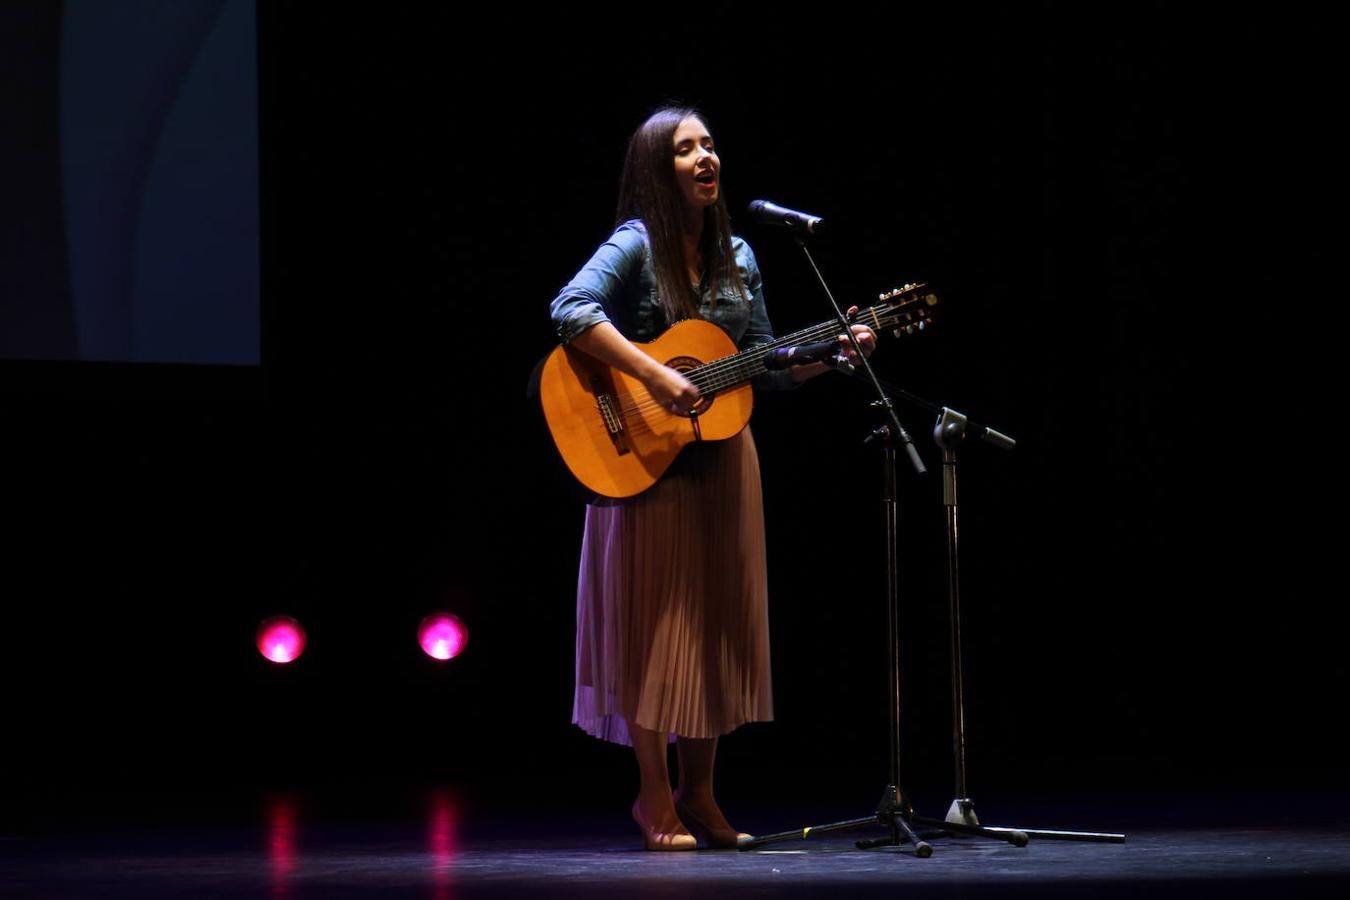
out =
column 906, row 310
column 730, row 371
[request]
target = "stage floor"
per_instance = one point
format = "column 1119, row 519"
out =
column 445, row 852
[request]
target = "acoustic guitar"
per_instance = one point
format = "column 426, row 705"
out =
column 618, row 441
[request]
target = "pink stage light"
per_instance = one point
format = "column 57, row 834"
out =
column 442, row 635
column 281, row 639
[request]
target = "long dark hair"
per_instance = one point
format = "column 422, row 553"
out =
column 647, row 191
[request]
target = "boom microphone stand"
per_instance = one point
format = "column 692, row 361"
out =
column 894, row 811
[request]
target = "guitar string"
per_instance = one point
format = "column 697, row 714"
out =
column 729, row 366
column 739, row 367
column 730, row 370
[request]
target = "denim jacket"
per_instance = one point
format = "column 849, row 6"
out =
column 618, row 285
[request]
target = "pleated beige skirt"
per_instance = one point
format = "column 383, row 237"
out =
column 672, row 602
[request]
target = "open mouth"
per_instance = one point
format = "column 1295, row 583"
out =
column 707, row 178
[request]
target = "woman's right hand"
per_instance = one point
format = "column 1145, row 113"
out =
column 672, row 391
column 675, row 393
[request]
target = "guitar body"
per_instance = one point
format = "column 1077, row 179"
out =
column 618, row 441
column 615, row 439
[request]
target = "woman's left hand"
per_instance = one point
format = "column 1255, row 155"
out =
column 867, row 340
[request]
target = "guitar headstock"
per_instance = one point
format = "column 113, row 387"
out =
column 906, row 310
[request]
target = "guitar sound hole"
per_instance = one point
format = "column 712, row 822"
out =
column 683, row 365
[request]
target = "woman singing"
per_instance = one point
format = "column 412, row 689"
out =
column 672, row 607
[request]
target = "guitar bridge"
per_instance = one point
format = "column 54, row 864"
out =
column 609, row 413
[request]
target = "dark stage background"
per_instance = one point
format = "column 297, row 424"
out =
column 1138, row 617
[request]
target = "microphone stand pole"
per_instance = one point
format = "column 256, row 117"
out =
column 882, row 402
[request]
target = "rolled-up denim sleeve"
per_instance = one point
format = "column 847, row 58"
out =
column 759, row 330
column 591, row 295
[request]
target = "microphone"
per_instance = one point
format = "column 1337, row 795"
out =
column 997, row 438
column 952, row 427
column 800, row 355
column 773, row 214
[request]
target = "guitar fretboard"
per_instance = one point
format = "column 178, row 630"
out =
column 730, row 371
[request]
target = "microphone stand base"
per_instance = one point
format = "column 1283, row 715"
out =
column 898, row 816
